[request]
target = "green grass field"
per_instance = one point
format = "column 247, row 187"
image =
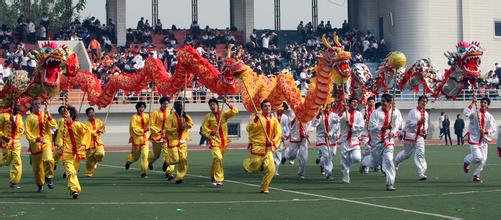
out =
column 114, row 193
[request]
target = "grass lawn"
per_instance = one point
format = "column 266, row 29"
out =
column 114, row 193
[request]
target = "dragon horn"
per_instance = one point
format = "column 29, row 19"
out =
column 229, row 51
column 324, row 41
column 336, row 40
column 239, row 54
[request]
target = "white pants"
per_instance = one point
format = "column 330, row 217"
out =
column 381, row 155
column 299, row 150
column 277, row 156
column 419, row 156
column 349, row 156
column 326, row 156
column 478, row 156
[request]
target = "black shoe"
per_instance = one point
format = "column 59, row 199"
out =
column 150, row 166
column 169, row 177
column 74, row 195
column 127, row 166
column 64, row 175
column 55, row 166
column 283, row 160
column 40, row 189
column 362, row 169
column 317, row 161
column 477, row 179
column 14, row 186
column 164, row 166
column 50, row 183
column 145, row 176
column 179, row 181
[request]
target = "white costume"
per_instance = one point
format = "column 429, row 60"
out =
column 479, row 141
column 383, row 141
column 285, row 124
column 352, row 124
column 414, row 133
column 298, row 144
column 326, row 123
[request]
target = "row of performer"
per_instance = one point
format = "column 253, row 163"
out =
column 366, row 136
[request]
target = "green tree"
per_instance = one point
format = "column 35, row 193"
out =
column 10, row 10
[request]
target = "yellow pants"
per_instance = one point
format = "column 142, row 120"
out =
column 48, row 161
column 94, row 156
column 216, row 167
column 178, row 156
column 255, row 164
column 69, row 164
column 140, row 153
column 157, row 150
column 12, row 157
column 42, row 169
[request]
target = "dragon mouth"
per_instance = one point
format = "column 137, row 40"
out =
column 471, row 65
column 52, row 68
column 343, row 67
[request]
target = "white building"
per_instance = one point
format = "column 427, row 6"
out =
column 428, row 28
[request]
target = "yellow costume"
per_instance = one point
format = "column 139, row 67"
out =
column 261, row 152
column 11, row 133
column 177, row 148
column 158, row 119
column 73, row 138
column 140, row 141
column 38, row 126
column 218, row 142
column 57, row 155
column 95, row 152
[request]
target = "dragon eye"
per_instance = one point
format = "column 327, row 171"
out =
column 461, row 50
column 46, row 50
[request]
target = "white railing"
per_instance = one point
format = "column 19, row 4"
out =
column 75, row 97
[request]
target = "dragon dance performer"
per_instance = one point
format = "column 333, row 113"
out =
column 481, row 130
column 352, row 125
column 95, row 153
column 73, row 139
column 215, row 127
column 178, row 124
column 38, row 134
column 61, row 110
column 11, row 130
column 158, row 125
column 262, row 144
column 383, row 129
column 139, row 138
column 299, row 141
column 284, row 120
column 327, row 125
column 365, row 137
column 416, row 129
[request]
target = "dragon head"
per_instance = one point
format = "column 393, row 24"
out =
column 53, row 60
column 233, row 67
column 466, row 58
column 336, row 58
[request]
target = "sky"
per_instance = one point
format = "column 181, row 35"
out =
column 216, row 13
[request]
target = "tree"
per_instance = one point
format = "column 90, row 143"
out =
column 10, row 10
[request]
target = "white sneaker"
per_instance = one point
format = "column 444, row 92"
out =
column 301, row 177
column 291, row 162
column 277, row 174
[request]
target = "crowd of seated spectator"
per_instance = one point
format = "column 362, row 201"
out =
column 262, row 53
